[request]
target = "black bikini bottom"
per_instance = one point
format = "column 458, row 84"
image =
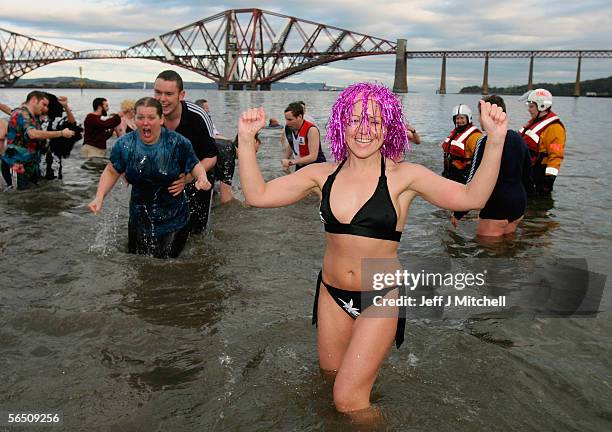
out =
column 355, row 302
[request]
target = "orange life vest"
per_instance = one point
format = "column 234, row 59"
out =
column 454, row 148
column 532, row 131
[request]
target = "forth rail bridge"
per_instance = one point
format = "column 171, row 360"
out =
column 252, row 48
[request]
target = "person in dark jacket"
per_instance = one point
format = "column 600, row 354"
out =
column 506, row 206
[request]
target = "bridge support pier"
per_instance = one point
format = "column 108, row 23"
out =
column 485, row 78
column 530, row 78
column 442, row 89
column 400, row 85
column 237, row 86
column 265, row 87
column 251, row 86
column 223, row 86
column 577, row 85
column 8, row 82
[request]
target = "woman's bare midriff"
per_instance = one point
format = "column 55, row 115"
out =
column 346, row 255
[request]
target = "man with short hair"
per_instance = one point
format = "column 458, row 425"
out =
column 307, row 116
column 203, row 103
column 195, row 124
column 97, row 131
column 506, row 205
column 25, row 138
column 302, row 139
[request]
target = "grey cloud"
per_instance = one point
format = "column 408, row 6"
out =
column 467, row 24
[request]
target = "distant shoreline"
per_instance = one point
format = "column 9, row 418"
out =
column 78, row 83
column 601, row 87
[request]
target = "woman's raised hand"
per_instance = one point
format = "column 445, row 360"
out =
column 250, row 122
column 493, row 120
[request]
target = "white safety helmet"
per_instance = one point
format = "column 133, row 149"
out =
column 542, row 99
column 462, row 110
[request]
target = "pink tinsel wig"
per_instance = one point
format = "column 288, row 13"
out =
column 395, row 141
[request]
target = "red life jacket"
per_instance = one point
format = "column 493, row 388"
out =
column 455, row 147
column 532, row 131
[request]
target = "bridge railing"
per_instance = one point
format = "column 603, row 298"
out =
column 512, row 54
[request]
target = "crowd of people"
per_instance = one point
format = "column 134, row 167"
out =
column 530, row 164
column 171, row 153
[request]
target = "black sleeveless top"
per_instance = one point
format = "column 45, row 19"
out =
column 375, row 219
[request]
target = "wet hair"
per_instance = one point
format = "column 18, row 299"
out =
column 149, row 102
column 127, row 105
column 494, row 99
column 302, row 103
column 295, row 108
column 200, row 102
column 170, row 75
column 395, row 141
column 55, row 109
column 98, row 102
column 36, row 94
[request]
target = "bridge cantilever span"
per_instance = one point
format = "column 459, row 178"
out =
column 253, row 48
column 20, row 54
column 235, row 48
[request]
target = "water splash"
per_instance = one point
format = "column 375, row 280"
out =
column 105, row 232
column 412, row 360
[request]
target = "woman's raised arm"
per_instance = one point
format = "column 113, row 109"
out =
column 279, row 192
column 451, row 195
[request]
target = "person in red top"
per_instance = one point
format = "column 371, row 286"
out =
column 302, row 139
column 97, row 131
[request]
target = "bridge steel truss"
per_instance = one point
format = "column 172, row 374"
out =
column 21, row 54
column 253, row 48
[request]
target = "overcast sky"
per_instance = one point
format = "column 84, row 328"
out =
column 426, row 24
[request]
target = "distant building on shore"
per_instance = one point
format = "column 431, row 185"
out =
column 331, row 88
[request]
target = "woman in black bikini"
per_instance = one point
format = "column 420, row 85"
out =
column 364, row 205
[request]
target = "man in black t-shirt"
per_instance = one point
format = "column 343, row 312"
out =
column 193, row 123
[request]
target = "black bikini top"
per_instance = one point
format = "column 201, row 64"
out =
column 375, row 219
